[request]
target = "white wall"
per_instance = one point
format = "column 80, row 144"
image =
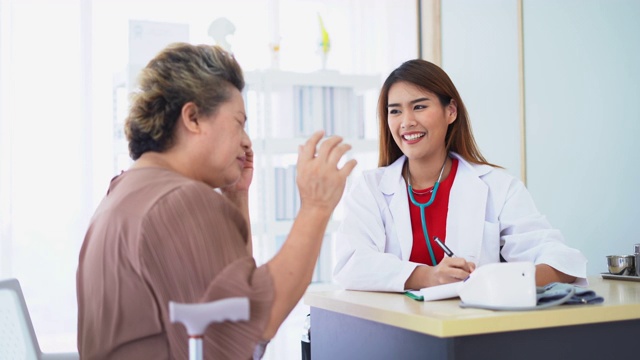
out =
column 480, row 54
column 5, row 143
column 582, row 87
column 581, row 93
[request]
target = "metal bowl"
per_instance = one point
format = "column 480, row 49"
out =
column 621, row 264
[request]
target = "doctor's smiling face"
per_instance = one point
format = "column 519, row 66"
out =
column 418, row 121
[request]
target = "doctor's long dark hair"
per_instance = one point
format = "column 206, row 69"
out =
column 430, row 77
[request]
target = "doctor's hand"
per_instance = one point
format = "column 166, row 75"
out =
column 450, row 269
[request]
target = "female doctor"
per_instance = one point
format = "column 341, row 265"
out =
column 432, row 182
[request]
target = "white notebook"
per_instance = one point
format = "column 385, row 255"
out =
column 438, row 292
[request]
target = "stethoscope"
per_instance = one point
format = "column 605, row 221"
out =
column 423, row 206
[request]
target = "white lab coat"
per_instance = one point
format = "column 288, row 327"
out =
column 488, row 208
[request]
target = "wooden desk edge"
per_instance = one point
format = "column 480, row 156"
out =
column 485, row 322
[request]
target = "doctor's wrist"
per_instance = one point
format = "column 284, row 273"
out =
column 421, row 277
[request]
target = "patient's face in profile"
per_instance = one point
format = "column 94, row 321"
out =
column 223, row 142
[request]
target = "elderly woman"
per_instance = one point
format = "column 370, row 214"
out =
column 162, row 233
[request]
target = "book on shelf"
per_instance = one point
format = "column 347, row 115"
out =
column 279, row 194
column 290, row 192
column 324, row 265
column 338, row 110
column 287, row 197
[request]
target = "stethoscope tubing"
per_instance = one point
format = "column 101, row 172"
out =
column 423, row 218
column 423, row 206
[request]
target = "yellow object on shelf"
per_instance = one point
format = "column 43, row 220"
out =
column 325, row 42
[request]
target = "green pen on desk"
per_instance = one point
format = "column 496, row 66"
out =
column 414, row 296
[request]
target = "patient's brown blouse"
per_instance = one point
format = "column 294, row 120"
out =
column 158, row 237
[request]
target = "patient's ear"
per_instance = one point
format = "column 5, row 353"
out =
column 189, row 117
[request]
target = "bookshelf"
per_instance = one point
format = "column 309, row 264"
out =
column 283, row 109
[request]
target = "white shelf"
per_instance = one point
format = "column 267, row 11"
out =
column 283, row 227
column 275, row 146
column 277, row 78
column 283, row 107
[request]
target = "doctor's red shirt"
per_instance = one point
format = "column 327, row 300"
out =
column 436, row 219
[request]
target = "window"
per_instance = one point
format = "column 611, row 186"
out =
column 60, row 62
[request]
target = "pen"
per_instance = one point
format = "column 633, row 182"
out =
column 444, row 247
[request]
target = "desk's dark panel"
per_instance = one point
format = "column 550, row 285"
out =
column 620, row 339
column 336, row 336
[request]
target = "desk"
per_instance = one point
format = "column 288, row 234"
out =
column 374, row 325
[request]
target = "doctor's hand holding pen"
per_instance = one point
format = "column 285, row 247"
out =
column 450, row 269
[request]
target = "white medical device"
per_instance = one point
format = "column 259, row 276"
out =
column 500, row 286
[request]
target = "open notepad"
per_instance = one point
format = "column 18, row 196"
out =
column 439, row 292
